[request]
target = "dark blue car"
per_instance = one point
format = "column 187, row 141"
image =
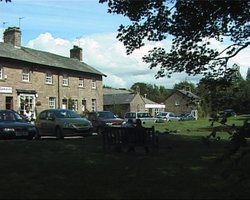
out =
column 186, row 117
column 13, row 125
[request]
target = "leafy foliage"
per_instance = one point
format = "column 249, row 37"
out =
column 248, row 74
column 192, row 24
column 221, row 93
column 152, row 92
column 184, row 85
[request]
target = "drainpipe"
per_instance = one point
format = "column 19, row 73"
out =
column 58, row 89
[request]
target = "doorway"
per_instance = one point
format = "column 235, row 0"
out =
column 27, row 101
column 9, row 103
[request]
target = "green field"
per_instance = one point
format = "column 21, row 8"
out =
column 76, row 168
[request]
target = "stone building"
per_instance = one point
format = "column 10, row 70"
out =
column 182, row 101
column 122, row 101
column 41, row 80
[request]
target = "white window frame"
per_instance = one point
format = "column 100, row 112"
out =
column 52, row 103
column 48, row 78
column 93, row 104
column 75, row 102
column 26, row 75
column 81, row 82
column 65, row 80
column 93, row 84
column 1, row 72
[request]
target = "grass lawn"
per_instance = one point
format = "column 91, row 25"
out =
column 183, row 168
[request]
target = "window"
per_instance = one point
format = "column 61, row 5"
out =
column 93, row 84
column 93, row 105
column 65, row 81
column 26, row 101
column 75, row 105
column 48, row 78
column 1, row 72
column 26, row 75
column 84, row 105
column 52, row 102
column 64, row 103
column 81, row 82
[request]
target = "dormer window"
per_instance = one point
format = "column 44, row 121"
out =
column 26, row 75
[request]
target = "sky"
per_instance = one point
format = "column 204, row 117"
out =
column 57, row 25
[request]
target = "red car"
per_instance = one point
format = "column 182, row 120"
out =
column 100, row 119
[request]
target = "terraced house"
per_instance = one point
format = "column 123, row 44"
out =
column 41, row 80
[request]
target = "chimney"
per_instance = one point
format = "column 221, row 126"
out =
column 12, row 35
column 76, row 52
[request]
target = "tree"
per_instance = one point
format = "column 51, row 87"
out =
column 152, row 92
column 248, row 74
column 6, row 0
column 184, row 85
column 220, row 93
column 192, row 24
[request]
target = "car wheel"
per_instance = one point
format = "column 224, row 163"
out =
column 37, row 135
column 58, row 133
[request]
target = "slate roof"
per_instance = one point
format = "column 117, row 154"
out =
column 119, row 98
column 115, row 91
column 45, row 58
column 188, row 94
column 115, row 96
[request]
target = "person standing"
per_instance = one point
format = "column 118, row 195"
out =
column 28, row 114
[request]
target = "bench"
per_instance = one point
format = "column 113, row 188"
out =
column 130, row 137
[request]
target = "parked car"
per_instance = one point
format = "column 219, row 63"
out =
column 61, row 123
column 13, row 125
column 145, row 117
column 167, row 117
column 227, row 113
column 100, row 119
column 186, row 117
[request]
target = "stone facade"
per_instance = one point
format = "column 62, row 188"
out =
column 12, row 87
column 41, row 80
column 181, row 102
column 122, row 101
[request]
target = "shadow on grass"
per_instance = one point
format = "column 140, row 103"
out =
column 183, row 168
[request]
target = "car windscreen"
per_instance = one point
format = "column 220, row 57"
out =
column 143, row 115
column 66, row 114
column 10, row 116
column 106, row 115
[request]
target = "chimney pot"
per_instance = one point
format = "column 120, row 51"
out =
column 12, row 35
column 76, row 52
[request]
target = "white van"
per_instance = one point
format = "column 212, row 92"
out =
column 145, row 117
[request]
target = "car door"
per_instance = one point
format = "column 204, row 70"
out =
column 50, row 123
column 41, row 122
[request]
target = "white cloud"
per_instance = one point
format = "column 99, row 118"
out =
column 105, row 53
column 46, row 42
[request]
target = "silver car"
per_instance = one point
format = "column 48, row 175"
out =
column 145, row 117
column 167, row 116
column 62, row 122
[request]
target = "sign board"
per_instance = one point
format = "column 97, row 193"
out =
column 7, row 90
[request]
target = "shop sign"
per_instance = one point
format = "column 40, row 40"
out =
column 6, row 90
